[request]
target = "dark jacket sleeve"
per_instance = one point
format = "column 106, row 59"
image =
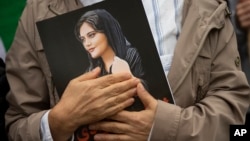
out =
column 29, row 95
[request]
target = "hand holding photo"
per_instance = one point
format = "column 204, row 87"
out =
column 107, row 35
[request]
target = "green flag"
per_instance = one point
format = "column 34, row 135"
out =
column 10, row 11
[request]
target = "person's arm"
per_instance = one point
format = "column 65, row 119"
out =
column 225, row 103
column 29, row 95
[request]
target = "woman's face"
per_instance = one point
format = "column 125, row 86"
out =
column 94, row 42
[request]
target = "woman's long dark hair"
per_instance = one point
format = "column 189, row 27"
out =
column 102, row 21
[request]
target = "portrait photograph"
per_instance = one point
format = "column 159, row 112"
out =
column 114, row 35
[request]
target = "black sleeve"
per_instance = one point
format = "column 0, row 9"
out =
column 4, row 88
column 135, row 63
column 134, row 60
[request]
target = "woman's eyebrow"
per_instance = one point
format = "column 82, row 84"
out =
column 82, row 36
column 91, row 32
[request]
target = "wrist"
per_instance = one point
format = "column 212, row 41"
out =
column 61, row 128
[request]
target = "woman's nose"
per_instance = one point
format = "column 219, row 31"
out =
column 87, row 43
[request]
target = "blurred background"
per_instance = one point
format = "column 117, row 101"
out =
column 10, row 12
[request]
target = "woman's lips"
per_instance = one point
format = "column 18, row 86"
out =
column 91, row 49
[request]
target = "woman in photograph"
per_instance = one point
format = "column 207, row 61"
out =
column 106, row 46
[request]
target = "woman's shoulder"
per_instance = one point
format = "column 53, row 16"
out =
column 132, row 50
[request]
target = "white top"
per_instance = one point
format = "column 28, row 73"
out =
column 164, row 18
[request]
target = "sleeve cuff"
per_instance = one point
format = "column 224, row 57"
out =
column 44, row 128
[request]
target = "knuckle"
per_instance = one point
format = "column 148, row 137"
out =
column 116, row 101
column 128, row 84
column 72, row 82
column 136, row 118
column 119, row 108
column 130, row 93
column 110, row 79
column 89, row 87
column 116, row 90
column 98, row 107
column 114, row 128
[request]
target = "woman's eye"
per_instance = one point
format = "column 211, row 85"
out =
column 82, row 39
column 91, row 35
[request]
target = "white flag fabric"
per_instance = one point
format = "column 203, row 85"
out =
column 2, row 50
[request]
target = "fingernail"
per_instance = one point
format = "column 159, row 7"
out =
column 131, row 100
column 136, row 80
column 140, row 86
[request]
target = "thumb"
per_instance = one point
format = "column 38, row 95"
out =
column 147, row 100
column 89, row 75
